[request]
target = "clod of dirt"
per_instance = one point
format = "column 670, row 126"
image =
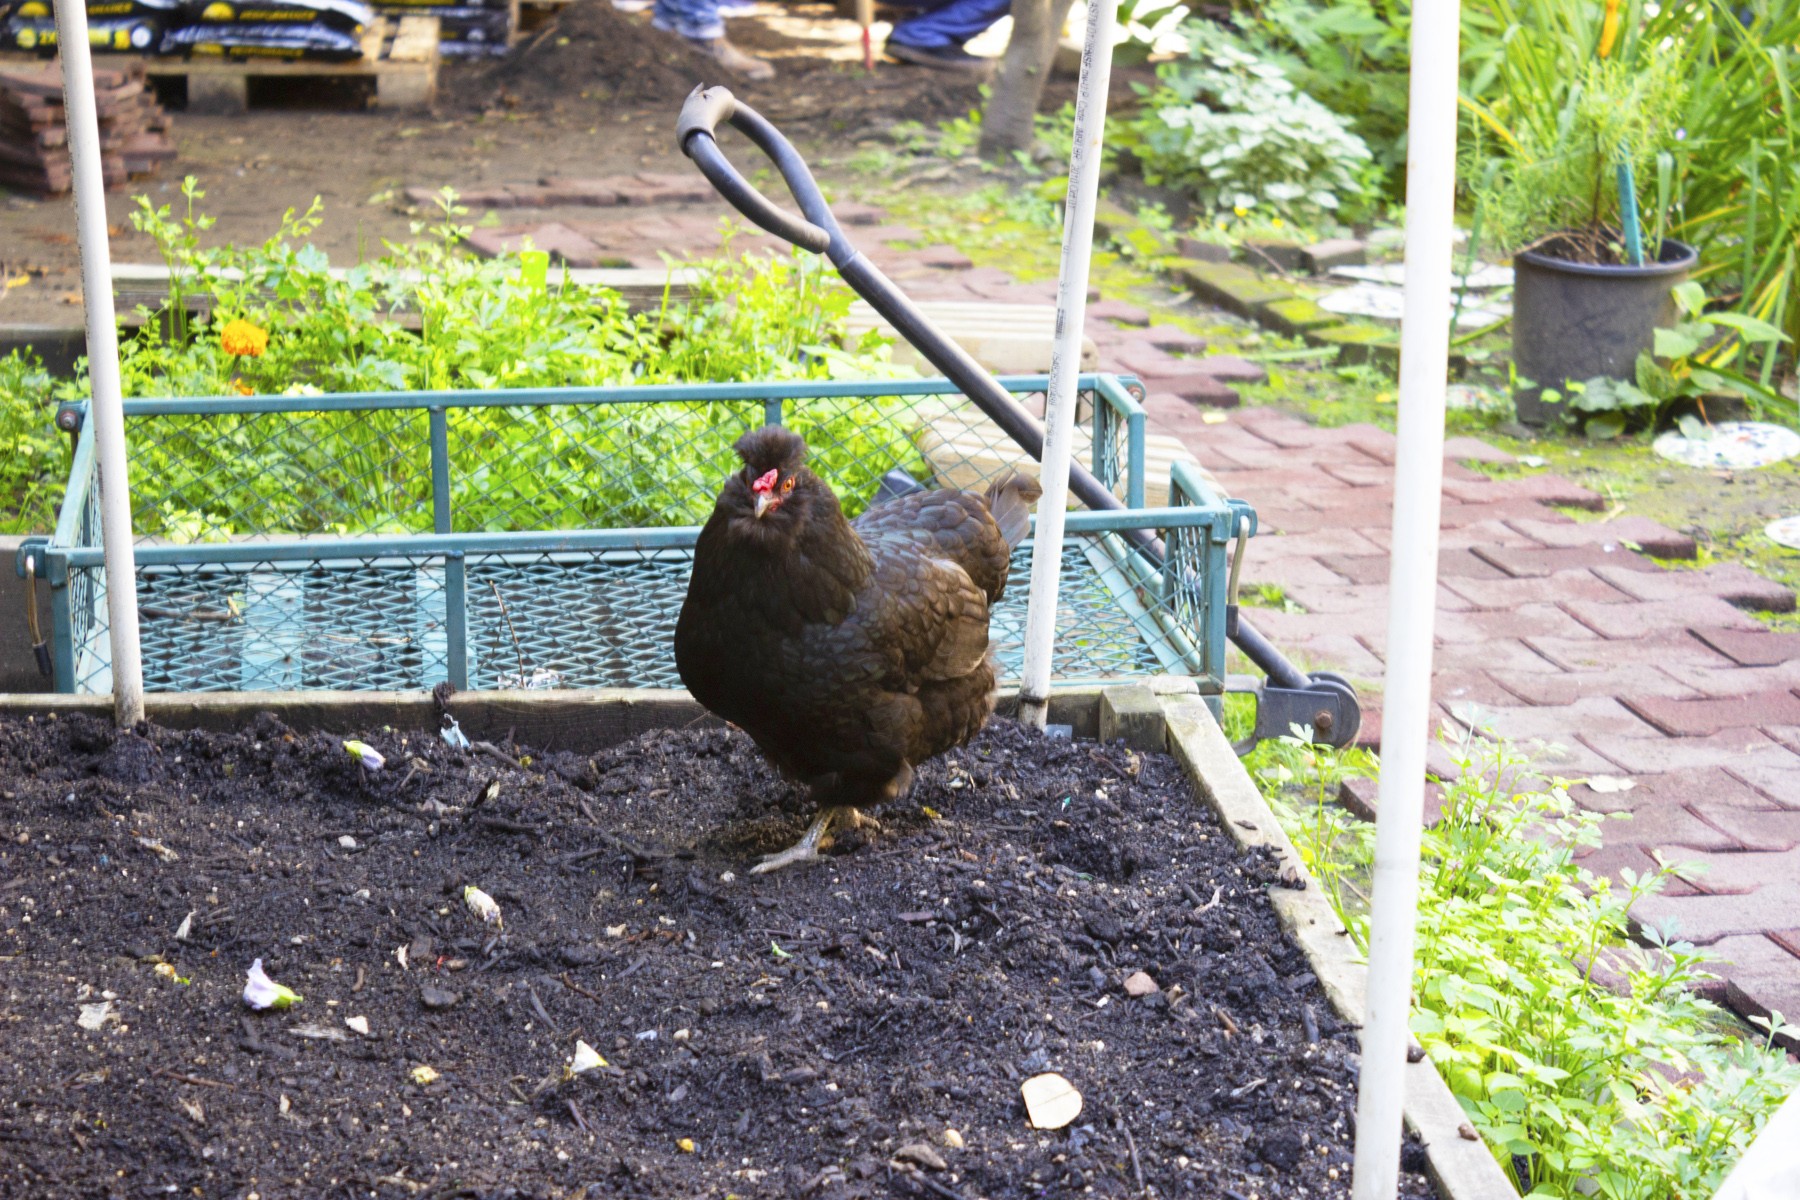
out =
column 921, row 978
column 433, row 997
column 1281, row 1150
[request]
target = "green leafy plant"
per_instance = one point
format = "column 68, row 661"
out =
column 425, row 316
column 1560, row 180
column 1350, row 56
column 1690, row 361
column 1229, row 128
column 1587, row 1062
column 33, row 456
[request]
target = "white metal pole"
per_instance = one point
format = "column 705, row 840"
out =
column 1065, row 359
column 1412, row 592
column 106, row 410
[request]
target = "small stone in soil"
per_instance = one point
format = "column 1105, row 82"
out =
column 922, row 1154
column 437, row 997
column 1139, row 983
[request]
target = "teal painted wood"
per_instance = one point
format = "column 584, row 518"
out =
column 624, row 394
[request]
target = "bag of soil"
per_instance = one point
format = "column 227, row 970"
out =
column 459, row 48
column 436, row 8
column 352, row 16
column 319, row 42
column 129, row 35
column 482, row 26
column 44, row 10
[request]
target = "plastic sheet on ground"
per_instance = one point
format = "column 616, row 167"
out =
column 1785, row 532
column 1733, row 446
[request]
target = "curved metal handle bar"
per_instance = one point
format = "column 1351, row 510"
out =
column 696, row 133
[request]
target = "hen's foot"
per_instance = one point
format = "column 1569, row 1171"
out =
column 816, row 839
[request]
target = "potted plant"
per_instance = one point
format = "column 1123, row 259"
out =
column 1594, row 273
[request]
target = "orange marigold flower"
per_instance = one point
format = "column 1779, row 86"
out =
column 241, row 338
column 242, row 388
column 1609, row 28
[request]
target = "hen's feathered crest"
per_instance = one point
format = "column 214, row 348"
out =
column 772, row 448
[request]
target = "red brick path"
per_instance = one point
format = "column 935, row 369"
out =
column 1553, row 632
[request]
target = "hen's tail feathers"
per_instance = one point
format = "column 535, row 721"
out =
column 1010, row 500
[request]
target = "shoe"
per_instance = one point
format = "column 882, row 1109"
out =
column 941, row 58
column 736, row 8
column 733, row 59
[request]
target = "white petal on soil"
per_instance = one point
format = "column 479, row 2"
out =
column 453, row 735
column 357, row 1025
column 1606, row 785
column 1050, row 1100
column 93, row 1016
column 371, row 758
column 586, row 1059
column 186, row 927
column 262, row 992
column 482, row 905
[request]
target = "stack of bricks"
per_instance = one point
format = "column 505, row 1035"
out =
column 34, row 150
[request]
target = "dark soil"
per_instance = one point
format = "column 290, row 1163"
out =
column 593, row 57
column 803, row 1031
column 594, row 52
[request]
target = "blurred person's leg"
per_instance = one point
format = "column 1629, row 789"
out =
column 699, row 22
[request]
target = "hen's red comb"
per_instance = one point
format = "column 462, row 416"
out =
column 766, row 483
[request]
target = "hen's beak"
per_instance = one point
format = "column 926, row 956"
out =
column 764, row 502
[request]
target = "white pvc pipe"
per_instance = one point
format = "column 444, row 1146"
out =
column 1065, row 359
column 107, row 411
column 1412, row 593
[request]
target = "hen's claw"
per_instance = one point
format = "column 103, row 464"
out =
column 816, row 838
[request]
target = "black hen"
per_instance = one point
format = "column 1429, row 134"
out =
column 849, row 650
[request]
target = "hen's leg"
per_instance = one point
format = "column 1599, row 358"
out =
column 816, row 838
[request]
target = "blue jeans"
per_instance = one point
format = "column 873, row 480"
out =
column 938, row 24
column 689, row 18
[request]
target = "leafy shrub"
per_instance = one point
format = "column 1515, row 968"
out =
column 1232, row 130
column 481, row 324
column 1580, row 1090
column 33, row 456
column 1351, row 56
column 1691, row 361
column 1559, row 176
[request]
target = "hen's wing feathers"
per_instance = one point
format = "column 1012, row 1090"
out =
column 951, row 525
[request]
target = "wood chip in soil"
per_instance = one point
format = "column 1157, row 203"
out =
column 772, row 1036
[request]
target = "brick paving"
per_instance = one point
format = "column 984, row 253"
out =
column 1563, row 636
column 1560, row 635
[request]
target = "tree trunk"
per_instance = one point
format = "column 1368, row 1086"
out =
column 1006, row 126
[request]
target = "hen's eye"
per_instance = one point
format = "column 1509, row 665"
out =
column 787, row 485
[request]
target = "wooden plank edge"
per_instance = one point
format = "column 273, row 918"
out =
column 577, row 720
column 1460, row 1169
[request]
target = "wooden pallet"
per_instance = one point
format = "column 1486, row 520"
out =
column 401, row 56
column 1007, row 339
column 968, row 450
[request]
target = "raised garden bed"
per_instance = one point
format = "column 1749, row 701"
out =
column 810, row 1030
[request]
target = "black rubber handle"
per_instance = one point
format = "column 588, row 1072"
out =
column 696, row 133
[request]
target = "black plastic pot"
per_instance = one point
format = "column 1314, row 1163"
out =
column 1574, row 321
